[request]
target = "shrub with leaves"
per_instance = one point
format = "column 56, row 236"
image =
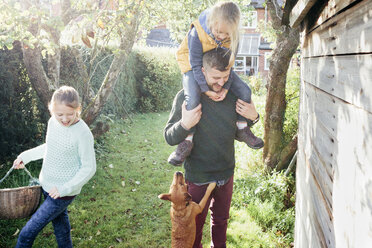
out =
column 293, row 102
column 21, row 120
column 159, row 78
column 269, row 199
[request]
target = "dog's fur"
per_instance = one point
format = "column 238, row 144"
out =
column 183, row 211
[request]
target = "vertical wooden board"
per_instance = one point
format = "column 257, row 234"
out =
column 352, row 163
column 306, row 232
column 353, row 185
column 320, row 215
column 320, row 127
column 307, row 225
column 363, row 209
column 346, row 33
column 346, row 77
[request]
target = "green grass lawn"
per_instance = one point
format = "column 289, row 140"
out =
column 119, row 206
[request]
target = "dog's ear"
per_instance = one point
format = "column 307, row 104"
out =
column 187, row 197
column 166, row 197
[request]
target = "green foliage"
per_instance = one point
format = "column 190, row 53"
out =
column 256, row 83
column 269, row 200
column 21, row 120
column 158, row 78
column 178, row 15
column 119, row 206
column 293, row 102
column 18, row 178
column 124, row 96
column 149, row 81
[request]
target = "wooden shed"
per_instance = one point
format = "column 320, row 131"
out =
column 334, row 163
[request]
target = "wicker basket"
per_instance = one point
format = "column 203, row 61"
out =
column 17, row 203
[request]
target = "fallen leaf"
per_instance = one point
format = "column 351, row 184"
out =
column 86, row 41
column 15, row 234
column 98, row 233
column 90, row 34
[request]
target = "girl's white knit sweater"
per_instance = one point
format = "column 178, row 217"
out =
column 69, row 158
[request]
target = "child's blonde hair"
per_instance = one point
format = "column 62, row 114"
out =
column 66, row 95
column 227, row 12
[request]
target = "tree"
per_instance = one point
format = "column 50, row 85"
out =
column 287, row 39
column 39, row 26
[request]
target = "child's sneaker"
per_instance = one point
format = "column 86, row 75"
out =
column 246, row 135
column 183, row 150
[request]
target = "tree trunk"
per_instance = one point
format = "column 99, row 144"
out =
column 38, row 78
column 126, row 44
column 286, row 44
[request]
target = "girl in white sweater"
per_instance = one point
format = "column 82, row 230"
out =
column 68, row 163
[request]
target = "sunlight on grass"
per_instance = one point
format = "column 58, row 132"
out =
column 244, row 232
column 119, row 207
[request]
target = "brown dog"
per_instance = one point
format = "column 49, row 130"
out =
column 183, row 211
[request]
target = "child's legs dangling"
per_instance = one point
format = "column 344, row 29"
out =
column 241, row 90
column 47, row 212
column 192, row 100
column 244, row 134
column 191, row 90
column 192, row 93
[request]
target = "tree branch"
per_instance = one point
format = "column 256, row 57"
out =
column 286, row 154
column 289, row 4
column 112, row 75
column 276, row 14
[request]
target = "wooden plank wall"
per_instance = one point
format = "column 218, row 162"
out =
column 334, row 164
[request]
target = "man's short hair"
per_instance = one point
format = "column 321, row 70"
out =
column 218, row 59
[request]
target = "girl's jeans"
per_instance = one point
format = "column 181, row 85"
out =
column 192, row 90
column 54, row 210
column 219, row 203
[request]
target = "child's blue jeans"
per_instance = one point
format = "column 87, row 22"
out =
column 192, row 90
column 54, row 210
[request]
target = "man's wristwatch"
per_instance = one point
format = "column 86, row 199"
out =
column 257, row 119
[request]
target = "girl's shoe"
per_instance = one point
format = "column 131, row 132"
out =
column 183, row 150
column 245, row 135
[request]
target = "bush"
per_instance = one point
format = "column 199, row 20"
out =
column 21, row 115
column 256, row 83
column 292, row 92
column 124, row 96
column 158, row 77
column 149, row 81
column 270, row 200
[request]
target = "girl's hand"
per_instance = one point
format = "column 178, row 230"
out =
column 212, row 95
column 54, row 193
column 222, row 94
column 18, row 164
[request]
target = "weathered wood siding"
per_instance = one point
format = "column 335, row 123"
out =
column 334, row 164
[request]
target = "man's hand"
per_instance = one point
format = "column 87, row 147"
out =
column 247, row 110
column 217, row 97
column 18, row 164
column 54, row 193
column 190, row 117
